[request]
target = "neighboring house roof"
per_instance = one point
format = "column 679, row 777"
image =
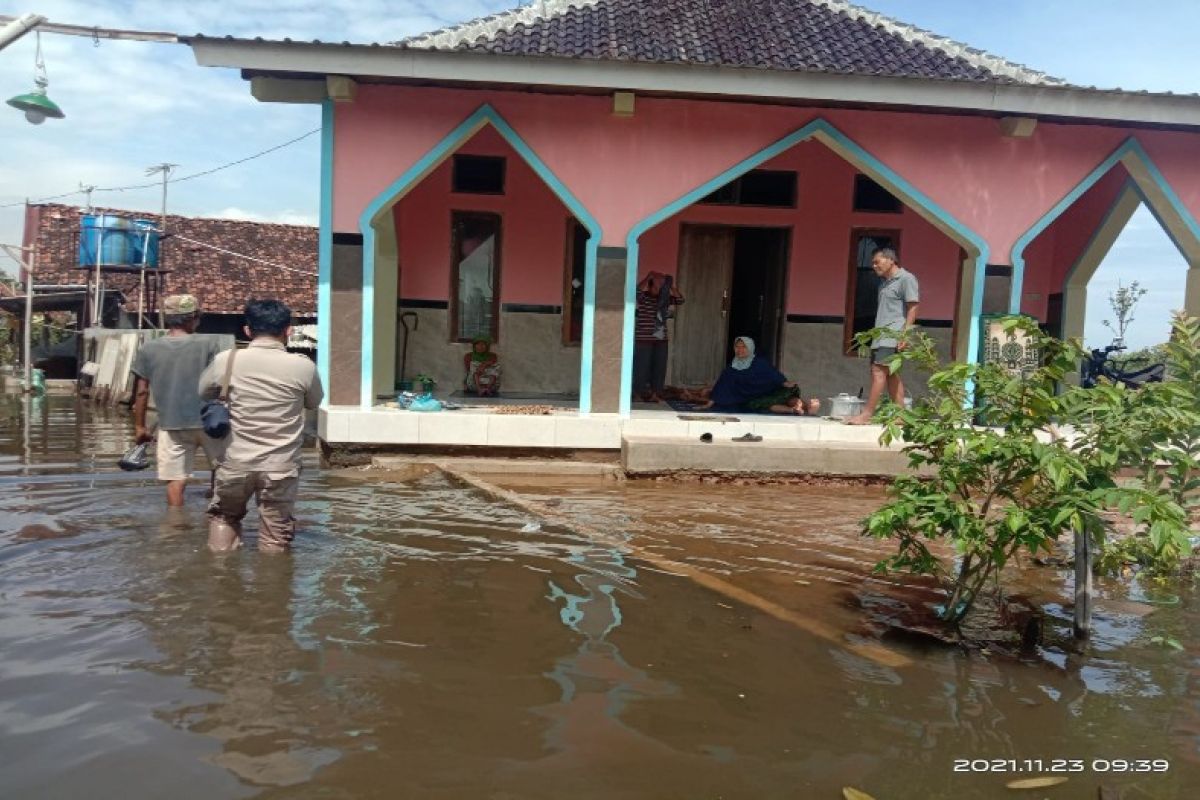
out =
column 223, row 282
column 784, row 35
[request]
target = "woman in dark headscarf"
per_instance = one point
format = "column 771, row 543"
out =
column 751, row 384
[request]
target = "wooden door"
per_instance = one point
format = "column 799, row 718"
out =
column 862, row 288
column 701, row 323
column 756, row 300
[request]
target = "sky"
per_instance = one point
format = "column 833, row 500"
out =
column 130, row 105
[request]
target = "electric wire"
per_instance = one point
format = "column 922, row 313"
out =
column 158, row 184
column 242, row 255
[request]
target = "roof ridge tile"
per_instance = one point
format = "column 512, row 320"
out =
column 704, row 31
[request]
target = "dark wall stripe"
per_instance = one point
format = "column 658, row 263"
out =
column 815, row 318
column 998, row 271
column 348, row 238
column 835, row 320
column 612, row 252
column 511, row 308
column 527, row 308
column 407, row 302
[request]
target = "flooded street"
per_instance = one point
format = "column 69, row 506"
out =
column 423, row 640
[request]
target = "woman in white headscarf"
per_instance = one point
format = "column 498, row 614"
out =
column 750, row 384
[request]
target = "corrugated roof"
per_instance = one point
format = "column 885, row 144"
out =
column 784, row 35
column 222, row 282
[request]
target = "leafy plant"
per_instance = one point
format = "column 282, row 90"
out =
column 1166, row 641
column 1156, row 431
column 1135, row 359
column 1171, row 450
column 1004, row 462
column 1122, row 302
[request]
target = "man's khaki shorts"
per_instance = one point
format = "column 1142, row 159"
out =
column 176, row 455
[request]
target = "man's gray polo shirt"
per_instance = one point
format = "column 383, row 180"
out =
column 172, row 365
column 894, row 295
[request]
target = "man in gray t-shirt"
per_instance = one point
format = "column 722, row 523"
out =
column 896, row 311
column 170, row 368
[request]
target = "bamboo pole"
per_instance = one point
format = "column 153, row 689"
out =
column 874, row 652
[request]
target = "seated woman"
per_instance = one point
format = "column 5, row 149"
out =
column 751, row 384
column 482, row 367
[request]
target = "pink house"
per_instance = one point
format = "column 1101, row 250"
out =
column 516, row 175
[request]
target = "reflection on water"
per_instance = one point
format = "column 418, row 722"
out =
column 423, row 641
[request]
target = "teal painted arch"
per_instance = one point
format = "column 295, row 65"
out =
column 325, row 250
column 824, row 132
column 1147, row 180
column 378, row 210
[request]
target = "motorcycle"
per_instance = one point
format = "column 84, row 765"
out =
column 1100, row 365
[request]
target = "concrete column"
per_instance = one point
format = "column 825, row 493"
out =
column 1191, row 295
column 997, row 288
column 345, row 324
column 608, row 330
column 1074, row 311
column 1081, row 272
column 962, row 316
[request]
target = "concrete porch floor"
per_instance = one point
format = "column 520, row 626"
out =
column 651, row 440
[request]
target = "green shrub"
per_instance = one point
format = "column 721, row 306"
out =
column 1006, row 462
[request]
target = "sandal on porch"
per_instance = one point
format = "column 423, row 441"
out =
column 747, row 437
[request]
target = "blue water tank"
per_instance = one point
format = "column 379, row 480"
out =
column 113, row 241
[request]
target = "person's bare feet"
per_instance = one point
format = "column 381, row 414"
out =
column 859, row 420
column 812, row 407
column 705, row 405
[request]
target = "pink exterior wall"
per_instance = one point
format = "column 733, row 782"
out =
column 623, row 169
column 1051, row 255
column 532, row 237
column 820, row 251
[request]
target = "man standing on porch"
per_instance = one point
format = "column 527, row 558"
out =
column 655, row 296
column 896, row 311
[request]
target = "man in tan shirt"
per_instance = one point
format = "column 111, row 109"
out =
column 269, row 390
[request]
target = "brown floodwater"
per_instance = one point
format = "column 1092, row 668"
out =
column 426, row 641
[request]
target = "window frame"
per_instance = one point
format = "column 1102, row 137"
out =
column 737, row 182
column 458, row 157
column 856, row 234
column 854, row 209
column 497, row 263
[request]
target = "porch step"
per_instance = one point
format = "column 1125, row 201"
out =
column 643, row 455
column 505, row 466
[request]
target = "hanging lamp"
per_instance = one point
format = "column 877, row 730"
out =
column 36, row 105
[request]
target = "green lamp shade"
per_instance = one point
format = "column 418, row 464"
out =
column 37, row 107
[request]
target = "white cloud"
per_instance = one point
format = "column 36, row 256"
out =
column 132, row 104
column 285, row 217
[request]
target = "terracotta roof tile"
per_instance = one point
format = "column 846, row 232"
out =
column 783, row 35
column 222, row 282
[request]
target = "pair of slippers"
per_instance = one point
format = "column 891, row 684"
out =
column 745, row 437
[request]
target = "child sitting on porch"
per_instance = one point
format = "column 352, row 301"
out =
column 482, row 368
column 751, row 385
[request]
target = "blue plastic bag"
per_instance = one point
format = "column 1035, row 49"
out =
column 425, row 402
